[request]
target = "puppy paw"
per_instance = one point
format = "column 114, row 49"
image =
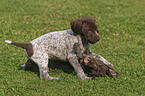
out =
column 51, row 78
column 90, row 78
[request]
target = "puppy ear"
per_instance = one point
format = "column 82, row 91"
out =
column 76, row 26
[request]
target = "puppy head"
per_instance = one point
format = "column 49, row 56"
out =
column 95, row 68
column 86, row 28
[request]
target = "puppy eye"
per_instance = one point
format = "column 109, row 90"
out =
column 97, row 31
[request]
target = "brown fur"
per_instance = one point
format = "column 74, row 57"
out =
column 30, row 65
column 28, row 47
column 87, row 28
column 95, row 68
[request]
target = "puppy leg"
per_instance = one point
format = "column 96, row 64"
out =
column 77, row 67
column 43, row 66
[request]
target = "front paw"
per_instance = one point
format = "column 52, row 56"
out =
column 51, row 78
column 89, row 78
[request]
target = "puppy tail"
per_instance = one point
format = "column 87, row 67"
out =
column 7, row 41
column 17, row 44
column 28, row 47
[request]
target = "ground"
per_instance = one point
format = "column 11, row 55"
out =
column 121, row 24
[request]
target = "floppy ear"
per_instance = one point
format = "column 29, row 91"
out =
column 76, row 26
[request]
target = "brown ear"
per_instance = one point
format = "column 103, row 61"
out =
column 76, row 26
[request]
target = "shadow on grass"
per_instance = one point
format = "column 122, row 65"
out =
column 53, row 64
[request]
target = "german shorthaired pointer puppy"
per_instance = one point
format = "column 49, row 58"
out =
column 94, row 68
column 59, row 45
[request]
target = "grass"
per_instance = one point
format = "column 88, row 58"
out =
column 121, row 24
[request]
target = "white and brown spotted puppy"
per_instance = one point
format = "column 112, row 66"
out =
column 59, row 46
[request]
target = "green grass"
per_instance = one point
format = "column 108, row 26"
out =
column 122, row 29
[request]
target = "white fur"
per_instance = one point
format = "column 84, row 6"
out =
column 23, row 65
column 7, row 41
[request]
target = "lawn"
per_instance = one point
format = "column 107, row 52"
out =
column 122, row 29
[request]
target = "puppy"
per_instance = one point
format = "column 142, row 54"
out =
column 95, row 68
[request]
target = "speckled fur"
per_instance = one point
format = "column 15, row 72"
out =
column 57, row 45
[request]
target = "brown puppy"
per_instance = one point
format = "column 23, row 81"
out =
column 95, row 68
